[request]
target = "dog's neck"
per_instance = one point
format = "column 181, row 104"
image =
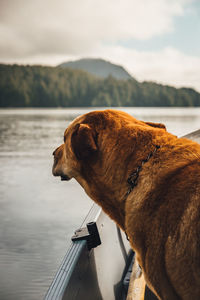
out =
column 97, row 188
column 133, row 177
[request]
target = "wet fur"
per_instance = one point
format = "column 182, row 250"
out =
column 162, row 214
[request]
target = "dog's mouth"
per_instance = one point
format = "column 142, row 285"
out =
column 64, row 178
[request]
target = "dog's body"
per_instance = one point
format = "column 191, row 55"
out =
column 161, row 215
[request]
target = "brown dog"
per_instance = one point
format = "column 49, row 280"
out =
column 148, row 181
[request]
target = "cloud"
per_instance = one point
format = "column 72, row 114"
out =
column 72, row 27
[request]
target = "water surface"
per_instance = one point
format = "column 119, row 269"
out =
column 39, row 212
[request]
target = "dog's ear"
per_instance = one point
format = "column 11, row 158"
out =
column 83, row 141
column 157, row 125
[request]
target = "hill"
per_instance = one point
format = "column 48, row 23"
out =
column 38, row 86
column 98, row 67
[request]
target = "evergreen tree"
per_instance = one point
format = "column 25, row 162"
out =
column 37, row 86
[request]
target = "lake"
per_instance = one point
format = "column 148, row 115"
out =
column 39, row 213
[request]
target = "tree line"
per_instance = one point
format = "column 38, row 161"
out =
column 39, row 86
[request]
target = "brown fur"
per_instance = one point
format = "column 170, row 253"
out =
column 162, row 214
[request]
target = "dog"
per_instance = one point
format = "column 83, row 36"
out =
column 148, row 181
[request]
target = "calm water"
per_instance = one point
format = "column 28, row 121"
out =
column 39, row 212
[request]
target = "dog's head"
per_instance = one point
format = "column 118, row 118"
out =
column 95, row 136
column 80, row 144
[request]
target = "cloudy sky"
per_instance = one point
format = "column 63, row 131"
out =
column 155, row 40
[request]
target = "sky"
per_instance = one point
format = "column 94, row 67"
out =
column 154, row 40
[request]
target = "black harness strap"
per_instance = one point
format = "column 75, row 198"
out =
column 133, row 178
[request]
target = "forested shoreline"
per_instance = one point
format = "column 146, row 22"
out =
column 39, row 86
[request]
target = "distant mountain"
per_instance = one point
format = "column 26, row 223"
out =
column 98, row 67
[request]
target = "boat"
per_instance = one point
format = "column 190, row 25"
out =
column 99, row 263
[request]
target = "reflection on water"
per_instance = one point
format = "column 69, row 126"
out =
column 38, row 212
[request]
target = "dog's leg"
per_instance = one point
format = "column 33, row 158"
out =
column 160, row 283
column 155, row 275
